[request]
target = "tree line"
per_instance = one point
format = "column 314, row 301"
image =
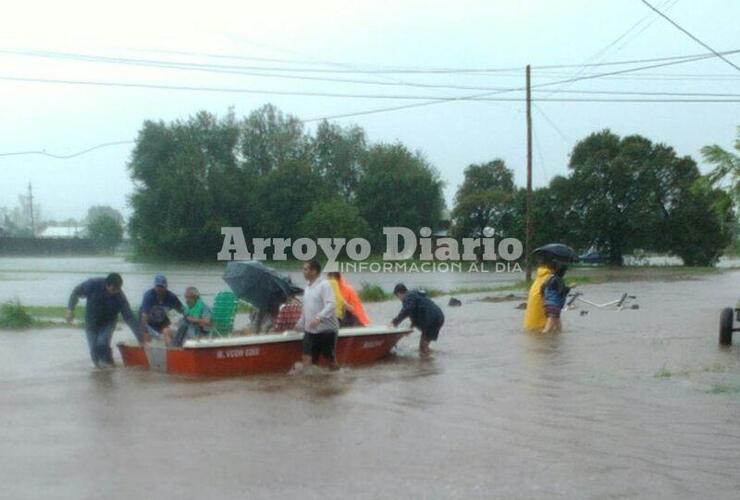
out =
column 621, row 195
column 267, row 174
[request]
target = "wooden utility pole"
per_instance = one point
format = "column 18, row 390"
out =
column 528, row 236
column 30, row 208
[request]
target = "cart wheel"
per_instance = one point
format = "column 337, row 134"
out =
column 725, row 327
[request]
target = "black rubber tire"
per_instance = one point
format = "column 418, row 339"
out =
column 725, row 326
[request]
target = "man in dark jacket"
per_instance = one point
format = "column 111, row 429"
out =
column 424, row 314
column 105, row 300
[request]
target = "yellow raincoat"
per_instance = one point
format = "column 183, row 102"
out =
column 534, row 316
column 337, row 298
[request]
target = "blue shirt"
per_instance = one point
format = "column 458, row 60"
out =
column 423, row 312
column 102, row 307
column 555, row 292
column 157, row 309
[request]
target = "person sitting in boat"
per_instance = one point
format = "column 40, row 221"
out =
column 197, row 319
column 263, row 319
column 354, row 311
column 288, row 315
column 155, row 305
column 105, row 300
column 424, row 314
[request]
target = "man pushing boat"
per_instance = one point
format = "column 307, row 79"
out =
column 105, row 300
column 424, row 314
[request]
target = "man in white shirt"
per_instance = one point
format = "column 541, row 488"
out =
column 319, row 317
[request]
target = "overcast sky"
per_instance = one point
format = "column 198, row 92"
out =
column 64, row 119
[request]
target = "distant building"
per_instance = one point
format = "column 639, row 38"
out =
column 61, row 232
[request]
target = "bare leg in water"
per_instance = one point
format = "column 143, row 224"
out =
column 424, row 346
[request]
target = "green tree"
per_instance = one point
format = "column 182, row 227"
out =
column 268, row 138
column 338, row 154
column 186, row 186
column 628, row 194
column 486, row 198
column 97, row 210
column 398, row 188
column 284, row 196
column 333, row 218
column 699, row 226
column 556, row 217
column 727, row 166
column 105, row 231
column 624, row 187
column 727, row 172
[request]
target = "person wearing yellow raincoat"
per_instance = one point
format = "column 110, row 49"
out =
column 534, row 316
column 338, row 298
column 353, row 312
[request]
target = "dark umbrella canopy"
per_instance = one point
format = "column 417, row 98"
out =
column 557, row 250
column 258, row 284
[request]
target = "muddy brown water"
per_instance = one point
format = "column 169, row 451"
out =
column 632, row 404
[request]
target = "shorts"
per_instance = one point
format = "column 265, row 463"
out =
column 552, row 312
column 320, row 344
column 431, row 333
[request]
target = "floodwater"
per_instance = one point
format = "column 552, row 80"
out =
column 49, row 281
column 623, row 404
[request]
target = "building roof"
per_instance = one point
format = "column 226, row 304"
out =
column 60, row 232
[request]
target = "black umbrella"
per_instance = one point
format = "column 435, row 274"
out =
column 557, row 250
column 258, row 284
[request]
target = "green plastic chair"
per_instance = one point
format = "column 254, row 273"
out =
column 223, row 314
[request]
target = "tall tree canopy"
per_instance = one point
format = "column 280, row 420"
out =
column 398, row 188
column 269, row 176
column 486, row 198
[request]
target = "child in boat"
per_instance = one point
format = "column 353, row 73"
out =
column 554, row 291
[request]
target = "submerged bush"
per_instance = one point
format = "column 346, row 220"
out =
column 13, row 315
column 373, row 293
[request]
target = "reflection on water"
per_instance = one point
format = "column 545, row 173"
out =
column 633, row 404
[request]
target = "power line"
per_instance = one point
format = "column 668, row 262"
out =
column 221, row 69
column 562, row 134
column 327, row 94
column 213, row 89
column 395, row 108
column 66, row 157
column 429, row 103
column 370, row 69
column 652, row 21
column 603, row 51
column 239, row 69
column 692, row 36
column 216, row 69
column 346, row 95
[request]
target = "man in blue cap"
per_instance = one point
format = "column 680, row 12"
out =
column 156, row 303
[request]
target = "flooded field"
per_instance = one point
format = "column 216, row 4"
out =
column 632, row 404
column 48, row 281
